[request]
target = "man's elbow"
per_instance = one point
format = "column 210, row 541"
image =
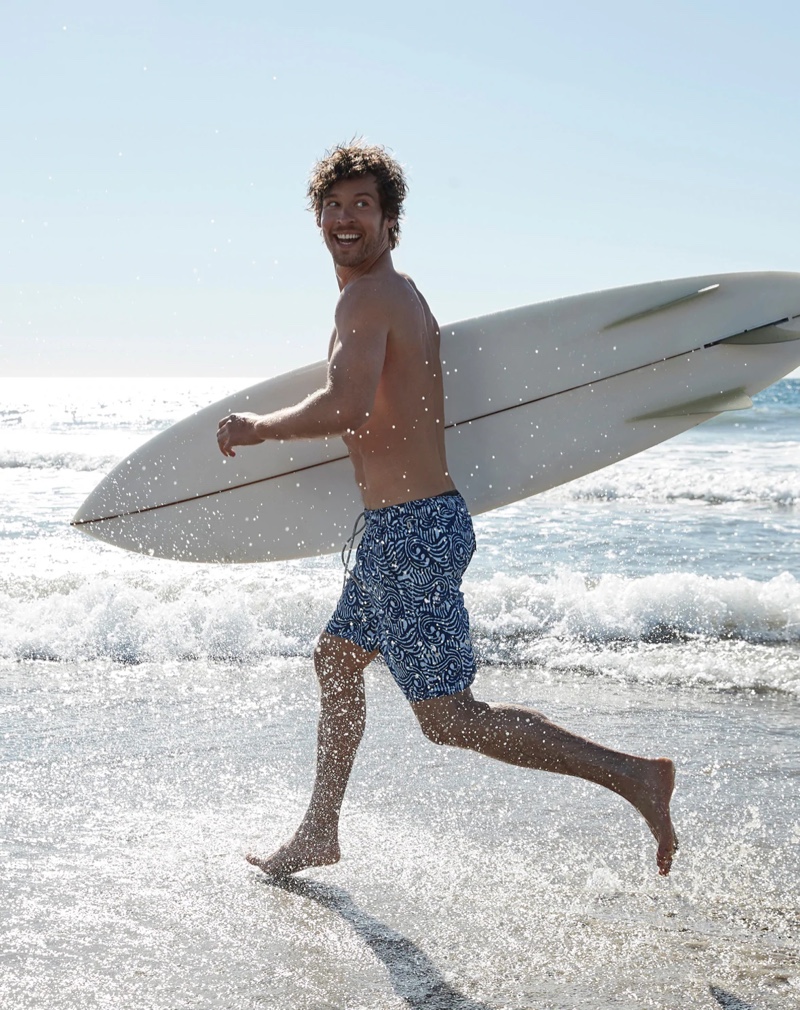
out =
column 353, row 417
column 349, row 405
column 351, row 411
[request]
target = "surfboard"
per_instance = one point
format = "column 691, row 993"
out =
column 535, row 397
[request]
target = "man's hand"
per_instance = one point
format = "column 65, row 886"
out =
column 238, row 429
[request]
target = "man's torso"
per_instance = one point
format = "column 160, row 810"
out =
column 398, row 454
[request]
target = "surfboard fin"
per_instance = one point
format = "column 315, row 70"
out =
column 733, row 399
column 772, row 333
column 662, row 307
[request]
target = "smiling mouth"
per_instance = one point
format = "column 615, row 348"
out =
column 347, row 238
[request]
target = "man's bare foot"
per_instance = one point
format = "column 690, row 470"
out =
column 651, row 796
column 299, row 853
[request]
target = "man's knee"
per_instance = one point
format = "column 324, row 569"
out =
column 435, row 731
column 450, row 721
column 338, row 662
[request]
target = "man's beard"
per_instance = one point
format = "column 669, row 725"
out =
column 355, row 256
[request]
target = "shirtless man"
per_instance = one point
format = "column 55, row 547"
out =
column 384, row 397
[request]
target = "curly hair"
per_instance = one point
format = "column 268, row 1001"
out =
column 348, row 161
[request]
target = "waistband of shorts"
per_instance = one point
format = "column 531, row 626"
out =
column 415, row 507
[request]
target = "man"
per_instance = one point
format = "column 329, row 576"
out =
column 403, row 599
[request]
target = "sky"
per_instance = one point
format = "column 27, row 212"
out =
column 153, row 214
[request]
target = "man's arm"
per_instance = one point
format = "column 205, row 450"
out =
column 345, row 402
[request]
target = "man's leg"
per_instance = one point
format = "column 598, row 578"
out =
column 340, row 670
column 521, row 736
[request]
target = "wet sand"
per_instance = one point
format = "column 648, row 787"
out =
column 132, row 793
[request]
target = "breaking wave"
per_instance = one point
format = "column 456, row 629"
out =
column 213, row 615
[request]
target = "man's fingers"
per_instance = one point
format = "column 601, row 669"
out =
column 223, row 437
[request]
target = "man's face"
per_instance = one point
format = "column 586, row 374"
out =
column 352, row 222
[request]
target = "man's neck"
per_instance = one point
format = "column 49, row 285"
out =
column 380, row 263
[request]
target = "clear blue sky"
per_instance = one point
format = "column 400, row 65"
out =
column 152, row 196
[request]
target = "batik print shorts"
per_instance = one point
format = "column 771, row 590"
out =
column 404, row 597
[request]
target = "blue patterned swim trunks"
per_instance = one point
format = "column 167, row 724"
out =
column 404, row 597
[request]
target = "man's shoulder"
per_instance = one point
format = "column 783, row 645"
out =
column 379, row 280
column 387, row 290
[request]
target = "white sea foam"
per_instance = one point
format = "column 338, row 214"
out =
column 213, row 615
column 15, row 459
column 668, row 485
column 508, row 611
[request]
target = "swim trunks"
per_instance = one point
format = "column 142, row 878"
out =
column 404, row 597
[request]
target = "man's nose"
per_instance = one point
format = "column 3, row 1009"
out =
column 345, row 214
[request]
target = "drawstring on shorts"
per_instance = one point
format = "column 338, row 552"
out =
column 348, row 545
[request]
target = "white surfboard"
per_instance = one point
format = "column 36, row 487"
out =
column 535, row 397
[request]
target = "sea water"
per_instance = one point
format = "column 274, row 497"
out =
column 158, row 720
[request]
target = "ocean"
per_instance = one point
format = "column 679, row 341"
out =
column 158, row 720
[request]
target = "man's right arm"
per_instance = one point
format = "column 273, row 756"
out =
column 345, row 402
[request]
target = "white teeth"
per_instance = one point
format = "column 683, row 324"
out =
column 347, row 238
